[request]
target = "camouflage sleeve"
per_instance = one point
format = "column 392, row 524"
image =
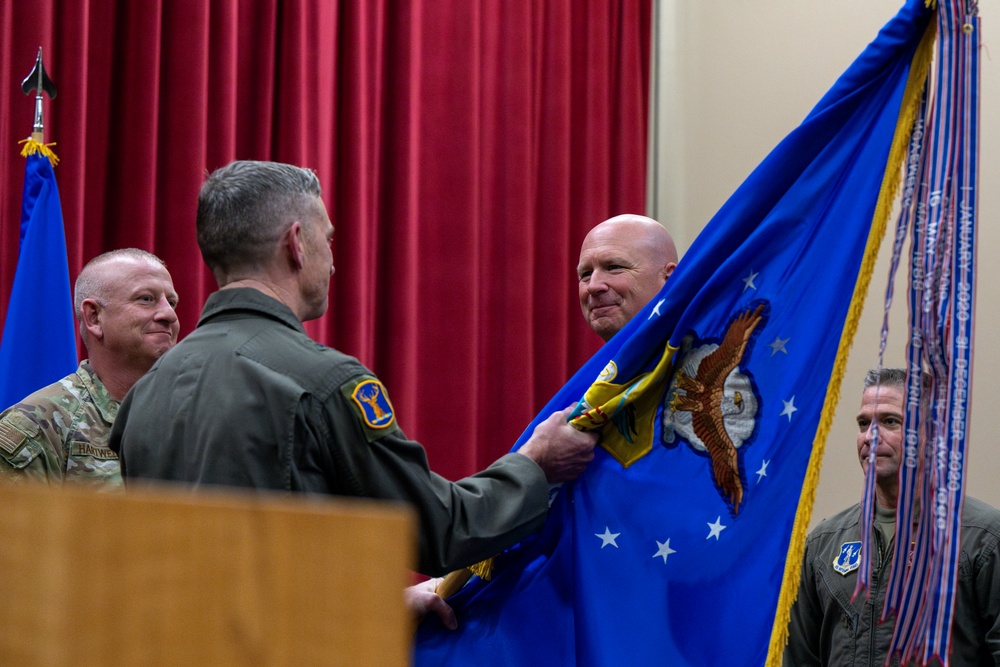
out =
column 22, row 449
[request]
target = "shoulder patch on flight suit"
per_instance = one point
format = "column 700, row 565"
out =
column 370, row 401
column 15, row 428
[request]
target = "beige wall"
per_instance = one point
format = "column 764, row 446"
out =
column 732, row 78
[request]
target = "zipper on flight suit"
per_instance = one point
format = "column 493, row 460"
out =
column 881, row 554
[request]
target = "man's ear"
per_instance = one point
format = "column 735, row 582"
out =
column 668, row 269
column 295, row 242
column 91, row 318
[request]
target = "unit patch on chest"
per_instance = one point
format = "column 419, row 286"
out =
column 849, row 558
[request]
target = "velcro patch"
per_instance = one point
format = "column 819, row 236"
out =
column 370, row 402
column 93, row 451
column 373, row 401
column 849, row 558
column 14, row 430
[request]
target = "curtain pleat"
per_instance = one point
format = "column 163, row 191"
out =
column 465, row 149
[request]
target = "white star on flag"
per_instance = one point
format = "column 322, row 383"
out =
column 715, row 529
column 778, row 345
column 656, row 309
column 664, row 550
column 608, row 538
column 789, row 408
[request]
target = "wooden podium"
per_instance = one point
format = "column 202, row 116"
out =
column 160, row 577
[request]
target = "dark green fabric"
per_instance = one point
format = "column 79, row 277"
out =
column 827, row 628
column 248, row 400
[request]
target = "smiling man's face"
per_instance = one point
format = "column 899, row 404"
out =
column 623, row 264
column 137, row 315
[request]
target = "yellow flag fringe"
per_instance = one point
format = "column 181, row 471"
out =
column 887, row 194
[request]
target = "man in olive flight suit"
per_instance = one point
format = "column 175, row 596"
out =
column 248, row 400
column 828, row 627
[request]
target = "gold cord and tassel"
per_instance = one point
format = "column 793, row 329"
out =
column 453, row 582
column 32, row 147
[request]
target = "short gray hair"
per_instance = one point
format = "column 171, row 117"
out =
column 244, row 208
column 95, row 284
column 892, row 377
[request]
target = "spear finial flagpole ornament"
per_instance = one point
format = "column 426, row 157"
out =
column 38, row 80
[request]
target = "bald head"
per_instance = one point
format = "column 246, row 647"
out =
column 125, row 300
column 624, row 261
column 100, row 276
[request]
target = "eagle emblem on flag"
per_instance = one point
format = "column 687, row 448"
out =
column 711, row 403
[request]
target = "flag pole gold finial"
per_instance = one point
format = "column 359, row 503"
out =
column 38, row 80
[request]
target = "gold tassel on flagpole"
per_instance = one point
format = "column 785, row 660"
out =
column 39, row 82
column 33, row 146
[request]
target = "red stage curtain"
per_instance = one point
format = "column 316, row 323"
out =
column 464, row 148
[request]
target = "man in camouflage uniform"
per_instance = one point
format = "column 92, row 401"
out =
column 125, row 302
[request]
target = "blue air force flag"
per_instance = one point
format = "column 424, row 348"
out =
column 673, row 547
column 38, row 346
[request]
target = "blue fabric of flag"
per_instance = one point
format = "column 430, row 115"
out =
column 38, row 345
column 659, row 562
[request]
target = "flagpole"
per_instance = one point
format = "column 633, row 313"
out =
column 39, row 82
column 38, row 343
